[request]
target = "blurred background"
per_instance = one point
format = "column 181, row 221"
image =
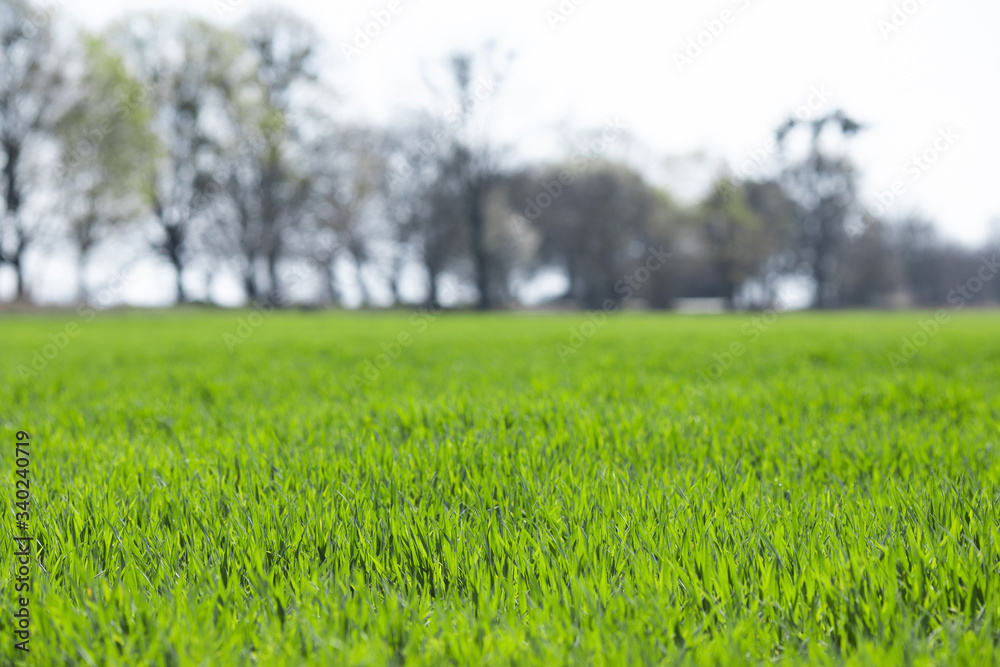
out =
column 738, row 154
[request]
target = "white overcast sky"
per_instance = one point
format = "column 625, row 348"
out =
column 615, row 58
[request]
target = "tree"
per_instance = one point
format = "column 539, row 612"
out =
column 926, row 263
column 780, row 216
column 593, row 228
column 869, row 273
column 345, row 168
column 188, row 65
column 473, row 167
column 402, row 190
column 824, row 189
column 735, row 237
column 29, row 83
column 422, row 196
column 265, row 190
column 109, row 151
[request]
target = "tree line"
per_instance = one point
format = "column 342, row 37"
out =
column 203, row 146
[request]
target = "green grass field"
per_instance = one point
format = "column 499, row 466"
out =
column 499, row 494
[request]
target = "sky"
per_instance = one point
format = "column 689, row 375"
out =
column 697, row 84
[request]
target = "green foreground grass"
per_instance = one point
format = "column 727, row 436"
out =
column 483, row 501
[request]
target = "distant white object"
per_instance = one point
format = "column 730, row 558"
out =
column 713, row 306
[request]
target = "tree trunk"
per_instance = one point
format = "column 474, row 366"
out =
column 81, row 282
column 479, row 254
column 732, row 285
column 250, row 280
column 328, row 295
column 17, row 262
column 365, row 297
column 181, row 296
column 172, row 248
column 432, row 288
column 275, row 296
column 250, row 287
column 12, row 202
column 394, row 279
column 269, row 211
column 731, row 297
